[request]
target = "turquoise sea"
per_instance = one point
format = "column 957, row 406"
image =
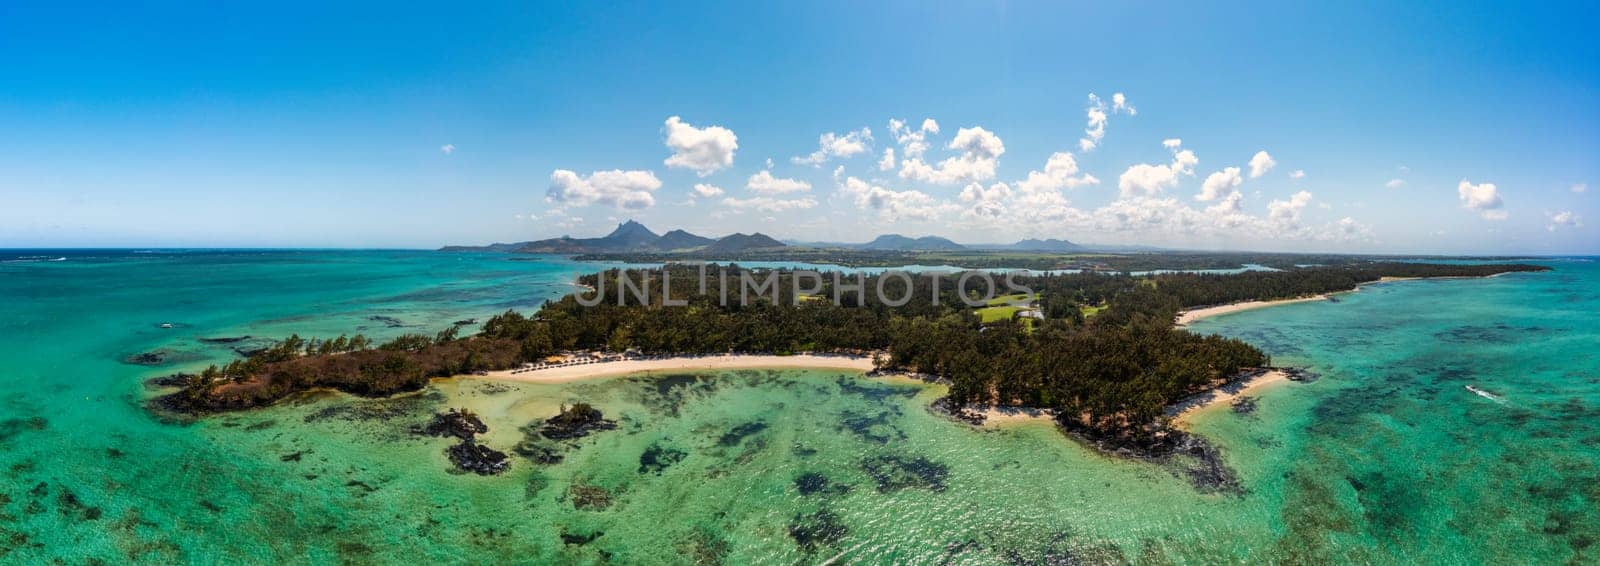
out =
column 1389, row 458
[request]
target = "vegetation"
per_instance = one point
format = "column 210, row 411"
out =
column 1110, row 374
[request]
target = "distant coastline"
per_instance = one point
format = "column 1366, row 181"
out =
column 1187, row 317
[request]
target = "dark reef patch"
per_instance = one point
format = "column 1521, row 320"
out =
column 813, row 483
column 10, row 428
column 576, row 539
column 586, row 497
column 1201, row 462
column 657, row 458
column 819, row 529
column 873, row 428
column 894, row 472
column 736, row 435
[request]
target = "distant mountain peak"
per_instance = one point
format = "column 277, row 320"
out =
column 902, row 243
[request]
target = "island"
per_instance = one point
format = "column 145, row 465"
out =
column 1100, row 352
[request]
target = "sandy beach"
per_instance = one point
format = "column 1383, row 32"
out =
column 1223, row 395
column 1187, row 317
column 733, row 361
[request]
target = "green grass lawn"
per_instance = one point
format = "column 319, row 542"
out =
column 1089, row 311
column 997, row 312
column 1007, row 299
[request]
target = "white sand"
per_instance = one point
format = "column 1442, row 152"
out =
column 736, row 361
column 1223, row 395
column 1185, row 318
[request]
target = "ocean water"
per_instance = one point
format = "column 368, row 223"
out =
column 1388, row 458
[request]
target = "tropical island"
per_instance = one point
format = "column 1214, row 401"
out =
column 1101, row 352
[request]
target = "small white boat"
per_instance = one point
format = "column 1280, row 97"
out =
column 166, row 325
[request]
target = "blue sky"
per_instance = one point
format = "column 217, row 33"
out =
column 300, row 124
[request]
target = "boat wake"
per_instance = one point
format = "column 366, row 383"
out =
column 1487, row 395
column 33, row 259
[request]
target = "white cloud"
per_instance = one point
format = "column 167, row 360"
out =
column 831, row 145
column 1260, row 163
column 1563, row 219
column 1395, row 183
column 985, row 203
column 1058, row 173
column 887, row 163
column 616, row 188
column 1287, row 212
column 1149, row 179
column 1349, row 229
column 769, row 204
column 1297, row 174
column 702, row 190
column 980, row 153
column 447, row 149
column 892, row 205
column 1119, row 103
column 1484, row 198
column 913, row 143
column 1097, row 115
column 1220, row 184
column 1580, row 188
column 702, row 150
column 764, row 183
column 1172, row 143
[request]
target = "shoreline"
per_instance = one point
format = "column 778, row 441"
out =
column 580, row 372
column 1187, row 317
column 1226, row 394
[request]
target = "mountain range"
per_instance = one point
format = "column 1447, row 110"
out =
column 630, row 237
column 633, row 237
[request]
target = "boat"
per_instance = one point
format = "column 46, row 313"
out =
column 166, row 325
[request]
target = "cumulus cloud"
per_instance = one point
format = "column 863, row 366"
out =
column 447, row 149
column 702, row 190
column 1287, row 212
column 620, row 189
column 1260, row 163
column 985, row 203
column 887, row 162
column 769, row 204
column 1483, row 198
column 1172, row 143
column 913, row 143
column 1297, row 174
column 1395, row 183
column 764, row 183
column 1563, row 219
column 1220, row 184
column 892, row 205
column 1059, row 173
column 702, row 150
column 1150, row 179
column 980, row 152
column 831, row 145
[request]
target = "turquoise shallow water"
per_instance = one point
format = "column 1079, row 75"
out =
column 1388, row 459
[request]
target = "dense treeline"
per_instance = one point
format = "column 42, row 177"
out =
column 1110, row 371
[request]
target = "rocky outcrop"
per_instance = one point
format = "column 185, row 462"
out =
column 479, row 459
column 461, row 424
column 575, row 422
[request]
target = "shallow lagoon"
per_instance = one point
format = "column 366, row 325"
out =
column 1387, row 459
